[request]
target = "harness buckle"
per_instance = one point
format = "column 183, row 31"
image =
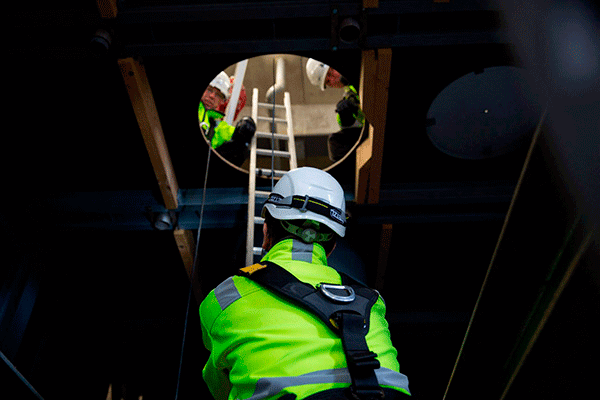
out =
column 326, row 289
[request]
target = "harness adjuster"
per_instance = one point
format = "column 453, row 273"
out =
column 366, row 394
column 358, row 360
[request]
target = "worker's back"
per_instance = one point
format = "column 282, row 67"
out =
column 262, row 345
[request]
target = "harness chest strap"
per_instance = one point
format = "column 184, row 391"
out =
column 347, row 314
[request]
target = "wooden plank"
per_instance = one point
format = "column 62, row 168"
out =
column 370, row 3
column 363, row 159
column 365, row 150
column 187, row 249
column 368, row 71
column 108, row 8
column 373, row 91
column 144, row 107
column 378, row 119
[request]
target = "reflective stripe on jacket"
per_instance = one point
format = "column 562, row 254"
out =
column 261, row 345
column 222, row 130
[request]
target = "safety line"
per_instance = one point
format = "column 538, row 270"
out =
column 558, row 291
column 536, row 134
column 193, row 274
column 21, row 377
column 273, row 130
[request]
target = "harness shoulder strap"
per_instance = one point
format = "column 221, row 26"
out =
column 345, row 309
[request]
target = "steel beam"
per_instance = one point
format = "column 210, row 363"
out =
column 261, row 10
column 224, row 207
column 288, row 26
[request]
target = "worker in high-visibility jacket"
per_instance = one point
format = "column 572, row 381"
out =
column 266, row 345
column 230, row 141
column 349, row 114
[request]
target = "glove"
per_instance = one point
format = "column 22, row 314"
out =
column 346, row 109
column 244, row 130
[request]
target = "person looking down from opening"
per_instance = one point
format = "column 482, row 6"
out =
column 349, row 114
column 291, row 327
column 230, row 141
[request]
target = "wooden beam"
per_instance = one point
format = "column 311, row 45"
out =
column 374, row 87
column 108, row 8
column 363, row 160
column 378, row 120
column 187, row 249
column 146, row 113
column 144, row 107
column 365, row 150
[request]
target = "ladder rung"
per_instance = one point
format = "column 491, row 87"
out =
column 271, row 119
column 259, row 220
column 270, row 105
column 275, row 153
column 257, row 251
column 269, row 135
column 267, row 172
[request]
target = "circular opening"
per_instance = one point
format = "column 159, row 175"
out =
column 229, row 121
column 349, row 30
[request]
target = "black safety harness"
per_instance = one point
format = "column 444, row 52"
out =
column 344, row 308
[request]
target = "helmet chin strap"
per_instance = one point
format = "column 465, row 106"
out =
column 308, row 232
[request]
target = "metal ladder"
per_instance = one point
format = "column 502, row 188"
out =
column 255, row 152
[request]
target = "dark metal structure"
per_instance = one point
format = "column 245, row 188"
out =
column 489, row 267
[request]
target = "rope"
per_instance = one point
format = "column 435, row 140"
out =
column 491, row 264
column 273, row 131
column 187, row 312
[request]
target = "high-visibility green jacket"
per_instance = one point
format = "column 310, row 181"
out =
column 213, row 126
column 262, row 346
column 351, row 94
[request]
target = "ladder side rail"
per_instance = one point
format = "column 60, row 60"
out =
column 290, row 131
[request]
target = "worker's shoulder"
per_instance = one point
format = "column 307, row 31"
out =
column 233, row 288
column 226, row 294
column 246, row 286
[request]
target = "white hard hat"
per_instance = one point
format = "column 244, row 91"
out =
column 309, row 194
column 222, row 83
column 316, row 71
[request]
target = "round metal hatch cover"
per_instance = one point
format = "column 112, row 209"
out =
column 483, row 115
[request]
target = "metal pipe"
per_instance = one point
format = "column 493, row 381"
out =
column 277, row 87
column 279, row 84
